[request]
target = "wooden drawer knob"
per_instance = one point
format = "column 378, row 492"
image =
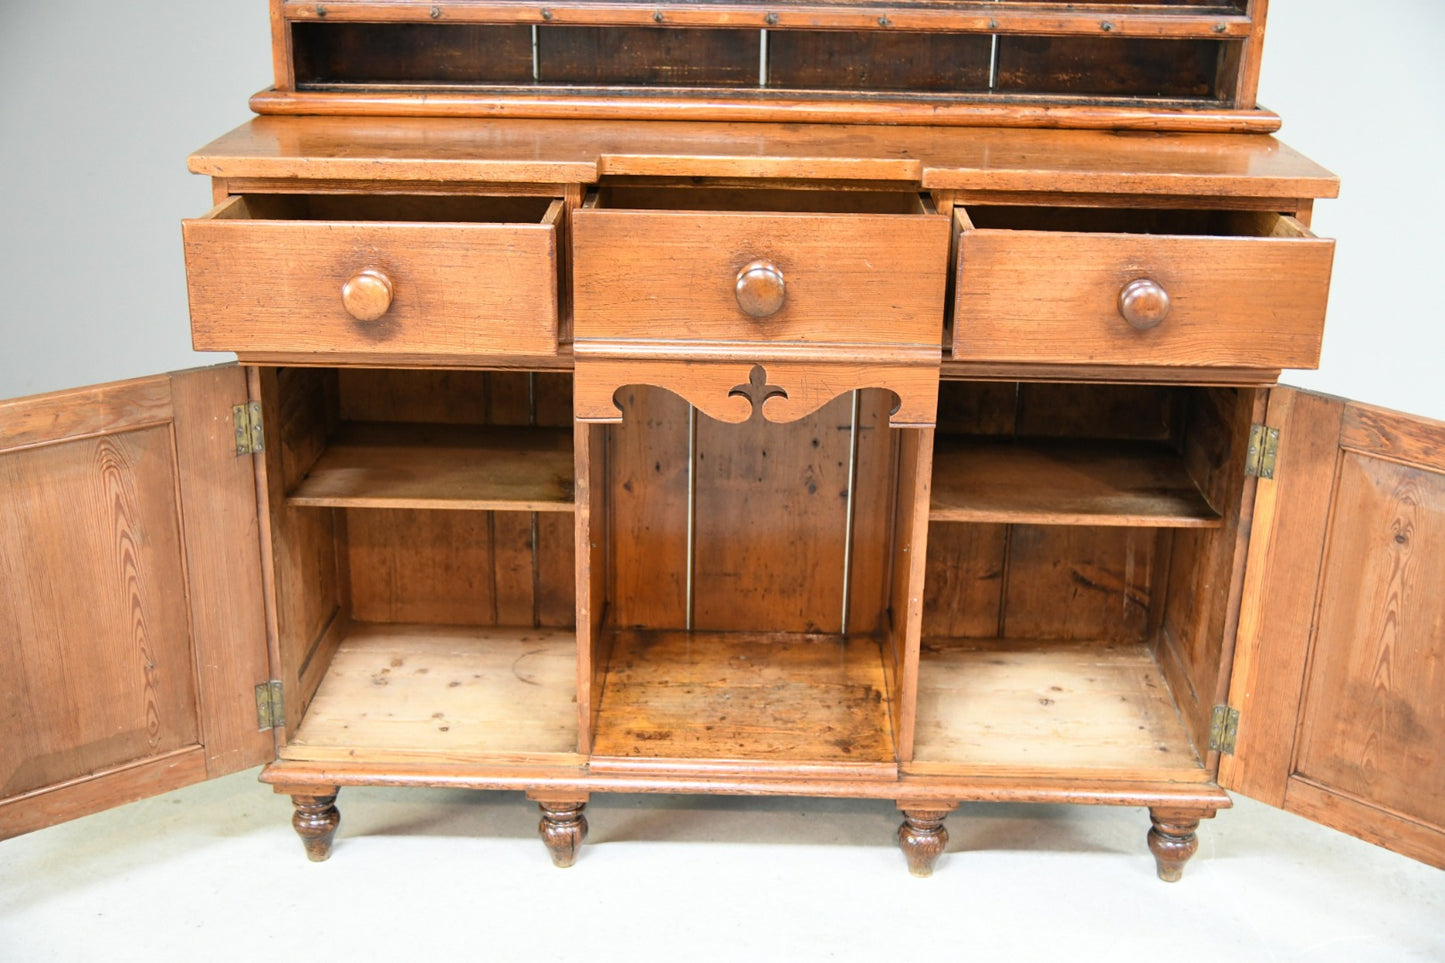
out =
column 367, row 295
column 1144, row 303
column 761, row 290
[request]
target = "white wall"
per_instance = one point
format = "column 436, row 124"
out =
column 100, row 103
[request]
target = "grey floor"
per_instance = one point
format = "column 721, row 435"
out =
column 214, row 873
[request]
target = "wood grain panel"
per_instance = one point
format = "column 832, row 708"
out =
column 875, row 464
column 411, row 53
column 1080, row 583
column 421, row 566
column 96, row 666
column 963, row 587
column 650, row 56
column 647, row 503
column 1372, row 725
column 771, row 522
column 857, row 61
column 1108, row 66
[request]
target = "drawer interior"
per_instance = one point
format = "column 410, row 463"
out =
column 422, row 524
column 390, row 207
column 1099, row 220
column 648, row 197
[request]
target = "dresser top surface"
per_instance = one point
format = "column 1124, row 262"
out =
column 571, row 151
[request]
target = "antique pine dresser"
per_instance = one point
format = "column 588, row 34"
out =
column 825, row 399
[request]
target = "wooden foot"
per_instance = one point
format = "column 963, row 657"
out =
column 316, row 819
column 1172, row 841
column 563, row 827
column 922, row 837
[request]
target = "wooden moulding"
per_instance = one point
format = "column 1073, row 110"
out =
column 734, row 391
column 794, row 107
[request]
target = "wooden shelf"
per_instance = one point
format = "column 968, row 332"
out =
column 744, row 698
column 1028, row 706
column 463, row 693
column 1048, row 482
column 394, row 465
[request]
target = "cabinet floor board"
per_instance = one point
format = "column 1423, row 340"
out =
column 454, row 692
column 987, row 704
column 753, row 697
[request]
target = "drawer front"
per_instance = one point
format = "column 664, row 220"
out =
column 365, row 287
column 1078, row 298
column 816, row 281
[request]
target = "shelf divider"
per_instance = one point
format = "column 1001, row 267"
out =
column 1052, row 482
column 399, row 465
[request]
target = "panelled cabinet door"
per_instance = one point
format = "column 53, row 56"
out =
column 132, row 628
column 1339, row 672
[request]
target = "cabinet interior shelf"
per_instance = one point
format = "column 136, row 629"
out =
column 1052, row 482
column 451, row 691
column 402, row 465
column 744, row 697
column 1029, row 706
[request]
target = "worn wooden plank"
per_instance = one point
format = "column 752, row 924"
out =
column 1067, row 582
column 647, row 502
column 766, row 697
column 422, row 566
column 459, row 692
column 771, row 522
column 963, row 587
column 857, row 61
column 1032, row 705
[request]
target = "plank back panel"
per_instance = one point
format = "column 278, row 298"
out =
column 772, row 521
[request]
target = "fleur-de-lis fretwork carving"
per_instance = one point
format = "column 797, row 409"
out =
column 757, row 390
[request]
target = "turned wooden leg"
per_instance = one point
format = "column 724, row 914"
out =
column 316, row 819
column 563, row 827
column 1172, row 841
column 922, row 837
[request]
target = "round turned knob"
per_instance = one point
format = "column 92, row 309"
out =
column 367, row 296
column 761, row 290
column 1144, row 303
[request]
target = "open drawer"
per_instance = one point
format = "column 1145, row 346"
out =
column 375, row 275
column 755, row 273
column 1177, row 288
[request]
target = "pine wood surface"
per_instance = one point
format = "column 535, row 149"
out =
column 751, row 697
column 1028, row 706
column 377, row 465
column 1054, row 296
column 261, row 281
column 453, row 692
column 1047, row 482
column 560, row 151
column 856, row 278
column 130, row 645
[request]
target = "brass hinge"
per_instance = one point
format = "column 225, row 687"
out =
column 270, row 706
column 1223, row 729
column 1263, row 449
column 250, row 437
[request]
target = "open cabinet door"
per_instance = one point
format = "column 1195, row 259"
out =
column 1339, row 672
column 132, row 628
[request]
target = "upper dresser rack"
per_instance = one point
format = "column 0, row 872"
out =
column 1167, row 65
